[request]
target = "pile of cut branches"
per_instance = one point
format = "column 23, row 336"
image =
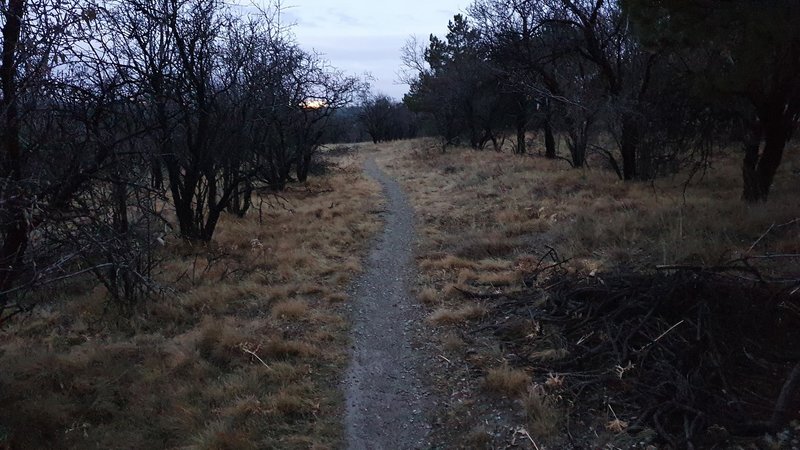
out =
column 696, row 355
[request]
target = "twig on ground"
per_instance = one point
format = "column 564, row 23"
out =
column 481, row 295
column 788, row 391
column 662, row 335
column 245, row 347
column 760, row 238
column 526, row 434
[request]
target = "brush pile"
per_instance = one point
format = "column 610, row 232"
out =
column 700, row 357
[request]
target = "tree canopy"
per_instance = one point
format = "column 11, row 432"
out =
column 649, row 85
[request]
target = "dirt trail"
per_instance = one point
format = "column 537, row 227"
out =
column 386, row 401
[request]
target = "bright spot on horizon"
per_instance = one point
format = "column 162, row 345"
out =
column 314, row 103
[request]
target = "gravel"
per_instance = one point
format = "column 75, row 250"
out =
column 387, row 403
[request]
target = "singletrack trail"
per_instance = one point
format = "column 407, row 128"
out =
column 386, row 401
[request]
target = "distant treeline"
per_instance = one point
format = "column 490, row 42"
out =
column 377, row 118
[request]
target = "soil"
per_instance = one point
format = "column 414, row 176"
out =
column 387, row 404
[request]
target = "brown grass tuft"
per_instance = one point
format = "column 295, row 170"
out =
column 499, row 279
column 290, row 310
column 428, row 296
column 446, row 316
column 549, row 355
column 544, row 415
column 488, row 247
column 288, row 405
column 449, row 262
column 452, row 342
column 219, row 343
column 478, row 438
column 219, row 436
column 453, row 291
column 280, row 348
column 506, row 381
column 337, row 297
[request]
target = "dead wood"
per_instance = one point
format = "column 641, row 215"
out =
column 679, row 350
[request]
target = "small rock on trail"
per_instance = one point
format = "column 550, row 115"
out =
column 386, row 401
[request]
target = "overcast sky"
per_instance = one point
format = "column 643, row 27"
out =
column 360, row 36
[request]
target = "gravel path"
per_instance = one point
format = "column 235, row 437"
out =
column 386, row 401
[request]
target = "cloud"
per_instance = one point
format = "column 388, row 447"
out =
column 342, row 18
column 449, row 13
column 358, row 36
column 290, row 18
column 356, row 47
column 379, row 56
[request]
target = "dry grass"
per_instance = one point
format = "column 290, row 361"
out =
column 448, row 316
column 290, row 309
column 544, row 414
column 550, row 354
column 478, row 438
column 245, row 354
column 507, row 381
column 479, row 206
column 452, row 343
column 428, row 296
column 486, row 217
column 486, row 220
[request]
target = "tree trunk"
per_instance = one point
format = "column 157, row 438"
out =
column 759, row 168
column 210, row 223
column 303, row 166
column 497, row 144
column 646, row 168
column 156, row 176
column 182, row 187
column 474, row 136
column 15, row 228
column 751, row 191
column 522, row 121
column 775, row 137
column 579, row 141
column 628, row 146
column 577, row 148
column 240, row 198
column 549, row 140
column 120, row 209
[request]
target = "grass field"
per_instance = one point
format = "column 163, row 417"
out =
column 247, row 346
column 488, row 220
column 245, row 351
